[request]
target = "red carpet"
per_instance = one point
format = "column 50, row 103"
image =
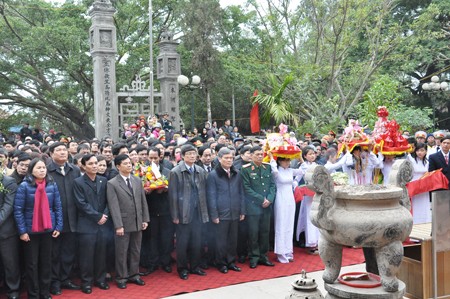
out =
column 160, row 284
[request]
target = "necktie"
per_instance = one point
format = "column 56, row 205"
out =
column 191, row 169
column 446, row 159
column 208, row 168
column 129, row 185
column 438, row 148
column 228, row 172
column 63, row 172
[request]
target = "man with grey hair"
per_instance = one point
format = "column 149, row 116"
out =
column 226, row 206
column 188, row 208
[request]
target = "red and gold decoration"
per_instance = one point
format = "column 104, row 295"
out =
column 286, row 151
column 281, row 145
column 150, row 176
column 352, row 136
column 387, row 135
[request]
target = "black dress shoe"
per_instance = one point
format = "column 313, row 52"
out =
column 167, row 269
column 102, row 285
column 198, row 271
column 184, row 274
column 253, row 265
column 266, row 263
column 223, row 269
column 86, row 289
column 122, row 285
column 204, row 266
column 46, row 297
column 55, row 291
column 149, row 270
column 70, row 286
column 13, row 297
column 241, row 259
column 138, row 281
column 234, row 268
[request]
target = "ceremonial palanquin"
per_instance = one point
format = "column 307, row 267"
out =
column 387, row 135
column 281, row 145
column 352, row 136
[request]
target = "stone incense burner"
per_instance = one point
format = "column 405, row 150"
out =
column 364, row 216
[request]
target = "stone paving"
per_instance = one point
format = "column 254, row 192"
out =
column 263, row 289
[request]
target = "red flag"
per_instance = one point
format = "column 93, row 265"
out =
column 254, row 116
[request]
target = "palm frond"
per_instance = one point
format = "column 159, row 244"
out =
column 274, row 106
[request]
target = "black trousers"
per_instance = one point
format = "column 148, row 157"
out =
column 110, row 246
column 38, row 264
column 189, row 238
column 242, row 245
column 208, row 246
column 92, row 257
column 9, row 253
column 161, row 240
column 63, row 257
column 226, row 241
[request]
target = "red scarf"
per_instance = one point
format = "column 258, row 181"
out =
column 41, row 214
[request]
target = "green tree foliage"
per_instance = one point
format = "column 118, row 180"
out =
column 200, row 23
column 345, row 57
column 43, row 62
column 44, row 56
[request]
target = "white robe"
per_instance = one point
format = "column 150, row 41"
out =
column 420, row 203
column 284, row 211
column 304, row 223
column 369, row 159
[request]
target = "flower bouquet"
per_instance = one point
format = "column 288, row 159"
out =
column 150, row 176
column 339, row 178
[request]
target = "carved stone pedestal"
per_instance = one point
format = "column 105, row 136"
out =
column 337, row 291
column 370, row 216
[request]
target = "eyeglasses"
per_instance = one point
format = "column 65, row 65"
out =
column 190, row 153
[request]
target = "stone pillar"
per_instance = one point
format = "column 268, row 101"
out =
column 102, row 36
column 168, row 69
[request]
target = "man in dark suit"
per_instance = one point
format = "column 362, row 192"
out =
column 226, row 206
column 129, row 212
column 64, row 248
column 188, row 208
column 441, row 158
column 208, row 229
column 9, row 241
column 90, row 199
column 157, row 240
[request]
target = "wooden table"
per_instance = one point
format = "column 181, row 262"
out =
column 416, row 270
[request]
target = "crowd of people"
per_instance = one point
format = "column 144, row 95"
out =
column 68, row 204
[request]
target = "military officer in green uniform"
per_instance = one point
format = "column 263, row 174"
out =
column 260, row 190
